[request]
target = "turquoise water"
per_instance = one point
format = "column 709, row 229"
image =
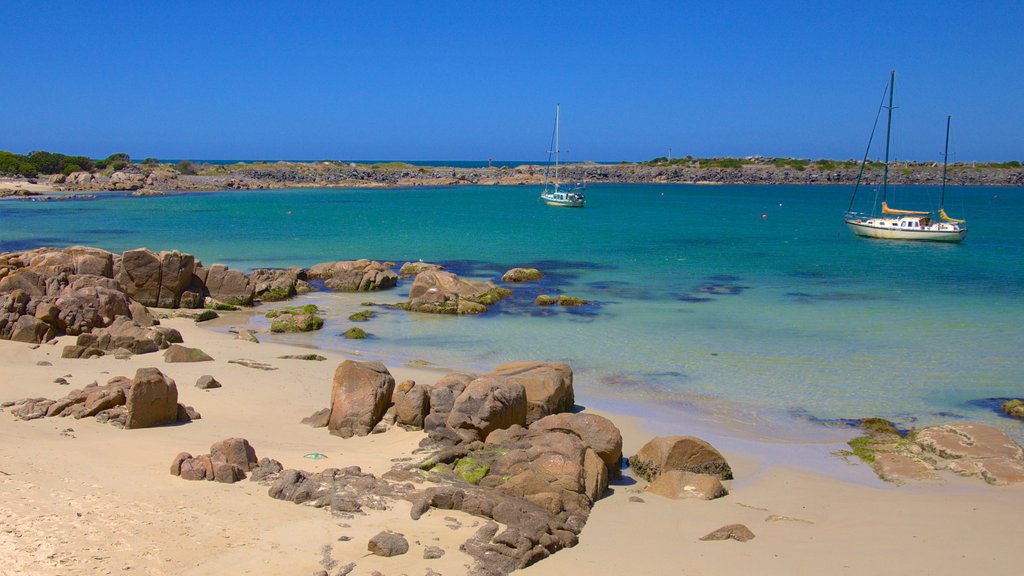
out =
column 754, row 301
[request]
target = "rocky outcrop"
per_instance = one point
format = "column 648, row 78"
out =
column 355, row 275
column 685, row 453
column 440, row 292
column 548, row 386
column 964, row 448
column 359, row 397
column 78, row 289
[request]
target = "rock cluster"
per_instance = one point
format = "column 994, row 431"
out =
column 48, row 292
column 272, row 285
column 440, row 292
column 124, row 335
column 149, row 399
column 228, row 461
column 355, row 275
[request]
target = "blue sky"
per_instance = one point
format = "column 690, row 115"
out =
column 469, row 80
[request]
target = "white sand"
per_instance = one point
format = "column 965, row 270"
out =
column 102, row 501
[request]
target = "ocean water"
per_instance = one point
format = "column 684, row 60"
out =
column 752, row 303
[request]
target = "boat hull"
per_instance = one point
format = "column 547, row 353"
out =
column 563, row 200
column 928, row 234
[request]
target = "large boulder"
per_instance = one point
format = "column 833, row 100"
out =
column 139, row 275
column 359, row 397
column 685, row 453
column 30, row 329
column 442, row 397
column 272, row 285
column 676, row 484
column 152, row 399
column 176, row 271
column 441, row 292
column 236, row 451
column 228, row 286
column 179, row 353
column 355, row 275
column 597, row 432
column 548, row 386
column 487, row 404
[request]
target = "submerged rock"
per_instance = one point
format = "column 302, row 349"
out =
column 522, row 275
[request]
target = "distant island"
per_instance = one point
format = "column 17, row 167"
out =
column 49, row 171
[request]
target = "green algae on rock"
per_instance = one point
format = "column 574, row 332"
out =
column 355, row 333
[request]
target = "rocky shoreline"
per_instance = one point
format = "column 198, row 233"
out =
column 152, row 179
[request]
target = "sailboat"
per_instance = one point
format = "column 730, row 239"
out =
column 556, row 194
column 897, row 224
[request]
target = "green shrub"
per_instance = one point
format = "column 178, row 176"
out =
column 69, row 168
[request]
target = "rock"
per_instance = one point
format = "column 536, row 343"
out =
column 247, row 335
column 432, row 552
column 355, row 333
column 140, row 314
column 318, row 419
column 388, row 544
column 359, row 396
column 139, row 275
column 178, row 460
column 31, row 330
column 207, row 382
column 179, row 353
column 1013, row 408
column 152, row 400
column 275, row 285
column 544, row 300
column 899, row 468
column 295, row 319
column 564, row 300
column 676, row 484
column 266, row 469
column 522, row 275
column 685, row 453
column 31, row 408
column 309, row 357
column 597, row 432
column 410, row 269
column 976, row 450
column 548, row 386
column 487, row 403
column 440, row 292
column 236, row 451
column 412, row 403
column 199, row 468
column 228, row 286
column 355, row 275
column 737, row 532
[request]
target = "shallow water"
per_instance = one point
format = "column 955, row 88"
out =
column 749, row 300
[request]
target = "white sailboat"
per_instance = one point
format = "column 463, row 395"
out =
column 556, row 194
column 896, row 224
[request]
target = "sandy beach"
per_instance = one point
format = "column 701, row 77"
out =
column 81, row 497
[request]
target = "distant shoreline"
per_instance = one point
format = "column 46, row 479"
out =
column 261, row 175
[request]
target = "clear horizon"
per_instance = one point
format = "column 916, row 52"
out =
column 418, row 82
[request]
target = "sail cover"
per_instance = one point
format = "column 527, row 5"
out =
column 946, row 218
column 887, row 210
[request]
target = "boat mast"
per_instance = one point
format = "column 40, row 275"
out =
column 558, row 109
column 888, row 131
column 945, row 161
